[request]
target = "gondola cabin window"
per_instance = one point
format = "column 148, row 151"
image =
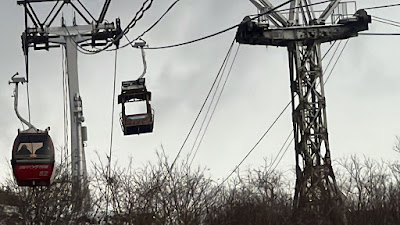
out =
column 33, row 150
column 136, row 109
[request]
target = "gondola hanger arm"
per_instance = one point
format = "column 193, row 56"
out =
column 141, row 44
column 16, row 80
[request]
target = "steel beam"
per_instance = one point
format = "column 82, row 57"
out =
column 265, row 5
column 328, row 11
column 254, row 34
column 79, row 175
column 104, row 11
column 34, row 1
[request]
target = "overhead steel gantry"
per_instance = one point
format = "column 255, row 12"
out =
column 42, row 36
column 317, row 199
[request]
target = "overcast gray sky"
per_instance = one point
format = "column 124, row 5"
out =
column 362, row 93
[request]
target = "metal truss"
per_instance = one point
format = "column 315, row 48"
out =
column 54, row 12
column 316, row 194
column 317, row 199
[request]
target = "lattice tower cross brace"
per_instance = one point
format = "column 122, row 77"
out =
column 317, row 199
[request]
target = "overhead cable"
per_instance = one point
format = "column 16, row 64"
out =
column 392, row 21
column 284, row 153
column 215, row 107
column 257, row 143
column 379, row 34
column 330, row 47
column 195, row 40
column 279, row 152
column 202, row 107
column 221, row 73
column 112, row 132
column 382, row 6
column 152, row 26
column 386, row 22
column 139, row 15
column 198, row 115
column 334, row 53
column 337, row 60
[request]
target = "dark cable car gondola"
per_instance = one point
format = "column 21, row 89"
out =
column 33, row 151
column 136, row 91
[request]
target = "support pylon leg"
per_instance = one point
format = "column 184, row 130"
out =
column 317, row 199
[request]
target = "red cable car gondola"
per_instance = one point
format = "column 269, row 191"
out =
column 33, row 158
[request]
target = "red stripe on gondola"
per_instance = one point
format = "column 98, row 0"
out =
column 33, row 172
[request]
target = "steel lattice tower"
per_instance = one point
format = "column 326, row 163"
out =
column 317, row 199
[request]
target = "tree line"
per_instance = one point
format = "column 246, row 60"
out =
column 185, row 195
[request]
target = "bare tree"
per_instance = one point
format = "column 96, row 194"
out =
column 371, row 189
column 159, row 194
column 254, row 197
column 154, row 194
column 397, row 144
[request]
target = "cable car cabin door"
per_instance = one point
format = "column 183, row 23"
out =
column 33, row 159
